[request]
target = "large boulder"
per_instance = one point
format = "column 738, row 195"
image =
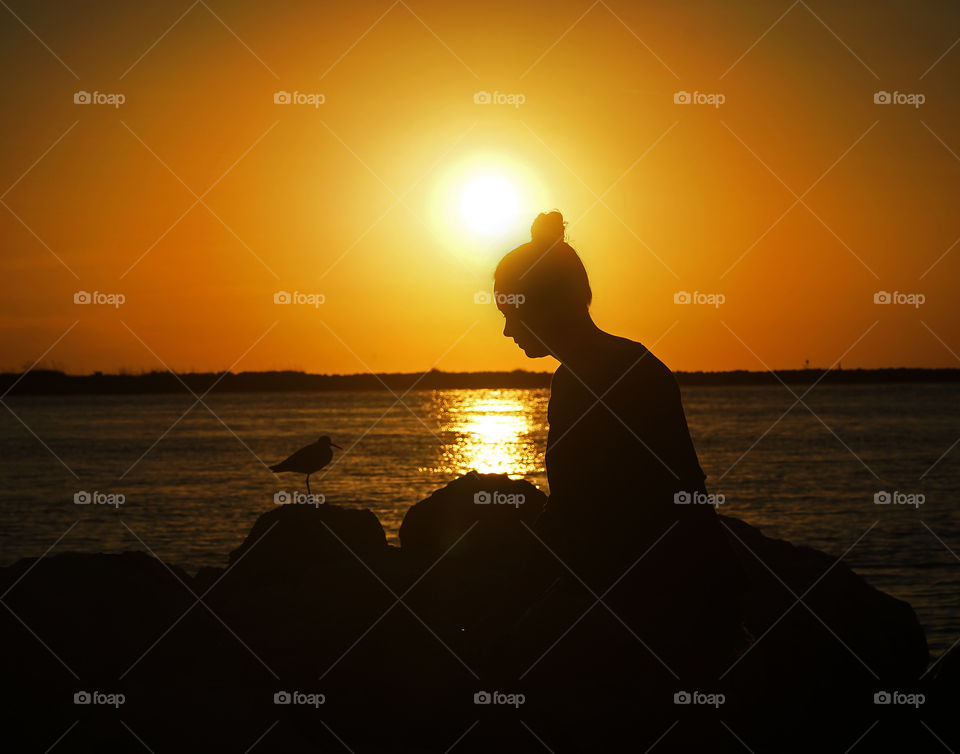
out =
column 820, row 660
column 296, row 537
column 847, row 623
column 108, row 623
column 881, row 633
column 944, row 695
column 468, row 545
column 96, row 612
column 492, row 507
column 306, row 581
column 814, row 665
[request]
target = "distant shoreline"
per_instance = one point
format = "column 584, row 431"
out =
column 50, row 382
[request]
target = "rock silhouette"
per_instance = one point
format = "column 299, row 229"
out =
column 400, row 640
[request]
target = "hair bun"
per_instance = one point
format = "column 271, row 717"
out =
column 548, row 227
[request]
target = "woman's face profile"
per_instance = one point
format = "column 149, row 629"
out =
column 521, row 324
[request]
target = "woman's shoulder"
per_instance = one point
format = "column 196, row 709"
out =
column 632, row 355
column 614, row 360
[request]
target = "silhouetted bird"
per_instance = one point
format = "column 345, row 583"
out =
column 310, row 459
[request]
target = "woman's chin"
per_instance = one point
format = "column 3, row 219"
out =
column 534, row 351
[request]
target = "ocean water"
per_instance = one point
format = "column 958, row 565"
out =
column 194, row 478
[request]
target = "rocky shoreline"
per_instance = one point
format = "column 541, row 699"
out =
column 318, row 635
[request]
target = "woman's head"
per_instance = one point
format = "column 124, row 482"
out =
column 542, row 287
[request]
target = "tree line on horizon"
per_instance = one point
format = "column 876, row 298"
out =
column 56, row 382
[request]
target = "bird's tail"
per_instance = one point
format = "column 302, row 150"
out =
column 276, row 467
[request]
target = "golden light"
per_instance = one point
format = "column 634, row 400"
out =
column 489, row 205
column 482, row 204
column 492, row 431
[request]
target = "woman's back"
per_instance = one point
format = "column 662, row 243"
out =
column 618, row 436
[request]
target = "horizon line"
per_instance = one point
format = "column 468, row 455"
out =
column 123, row 372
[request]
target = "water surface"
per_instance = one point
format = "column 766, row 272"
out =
column 195, row 480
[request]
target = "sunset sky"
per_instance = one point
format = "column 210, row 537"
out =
column 199, row 197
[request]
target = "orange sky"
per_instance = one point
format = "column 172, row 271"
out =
column 357, row 199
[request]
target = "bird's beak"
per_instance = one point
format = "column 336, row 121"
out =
column 336, row 446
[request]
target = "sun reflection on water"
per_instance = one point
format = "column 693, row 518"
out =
column 492, row 431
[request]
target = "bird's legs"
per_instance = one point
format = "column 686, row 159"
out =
column 308, row 485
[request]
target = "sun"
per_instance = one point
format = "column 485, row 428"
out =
column 489, row 205
column 481, row 203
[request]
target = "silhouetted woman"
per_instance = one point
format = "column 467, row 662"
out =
column 620, row 461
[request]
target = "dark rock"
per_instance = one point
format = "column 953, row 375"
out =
column 943, row 692
column 293, row 538
column 433, row 525
column 96, row 611
column 801, row 666
column 469, row 541
column 946, row 668
column 814, row 667
column 881, row 633
column 305, row 583
column 95, row 622
column 315, row 600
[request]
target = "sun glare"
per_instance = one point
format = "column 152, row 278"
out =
column 482, row 205
column 489, row 205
